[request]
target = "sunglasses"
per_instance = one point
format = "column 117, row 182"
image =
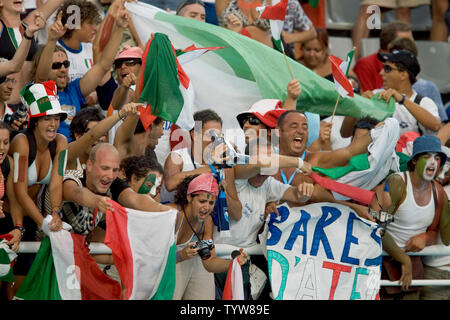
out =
column 58, row 65
column 129, row 63
column 387, row 68
column 252, row 120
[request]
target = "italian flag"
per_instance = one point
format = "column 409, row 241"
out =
column 7, row 257
column 143, row 247
column 340, row 70
column 245, row 71
column 276, row 14
column 234, row 285
column 164, row 85
column 63, row 269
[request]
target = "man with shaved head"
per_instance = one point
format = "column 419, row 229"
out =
column 86, row 197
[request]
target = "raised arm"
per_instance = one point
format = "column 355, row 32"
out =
column 79, row 146
column 55, row 31
column 93, row 77
column 56, row 178
column 16, row 63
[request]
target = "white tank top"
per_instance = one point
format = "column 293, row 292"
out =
column 411, row 219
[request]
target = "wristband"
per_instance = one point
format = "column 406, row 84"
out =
column 300, row 163
column 403, row 99
column 26, row 36
column 178, row 256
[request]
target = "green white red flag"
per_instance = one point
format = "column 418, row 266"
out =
column 340, row 70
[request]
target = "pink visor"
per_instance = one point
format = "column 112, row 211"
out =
column 204, row 183
column 130, row 53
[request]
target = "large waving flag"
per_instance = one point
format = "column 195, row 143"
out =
column 276, row 14
column 340, row 70
column 164, row 85
column 143, row 248
column 232, row 79
column 63, row 269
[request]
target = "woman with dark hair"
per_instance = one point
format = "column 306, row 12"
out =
column 36, row 161
column 315, row 54
column 143, row 174
column 195, row 198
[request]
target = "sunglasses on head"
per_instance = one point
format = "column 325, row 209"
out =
column 129, row 63
column 58, row 65
column 387, row 68
column 254, row 121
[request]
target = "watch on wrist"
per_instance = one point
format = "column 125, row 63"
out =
column 403, row 99
column 20, row 228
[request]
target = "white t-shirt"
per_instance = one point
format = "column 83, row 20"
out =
column 407, row 121
column 81, row 60
column 245, row 231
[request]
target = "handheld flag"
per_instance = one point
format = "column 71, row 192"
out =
column 164, row 85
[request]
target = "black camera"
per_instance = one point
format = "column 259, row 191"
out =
column 382, row 218
column 205, row 247
column 19, row 114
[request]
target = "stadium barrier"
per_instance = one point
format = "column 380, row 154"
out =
column 223, row 249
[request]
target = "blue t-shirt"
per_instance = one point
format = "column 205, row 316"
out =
column 71, row 101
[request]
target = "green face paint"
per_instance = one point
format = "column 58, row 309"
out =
column 148, row 184
column 430, row 163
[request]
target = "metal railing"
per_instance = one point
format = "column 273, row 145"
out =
column 224, row 249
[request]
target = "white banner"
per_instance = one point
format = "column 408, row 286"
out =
column 322, row 251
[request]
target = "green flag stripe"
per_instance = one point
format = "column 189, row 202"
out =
column 166, row 286
column 40, row 282
column 5, row 264
column 254, row 61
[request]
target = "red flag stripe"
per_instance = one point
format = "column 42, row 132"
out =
column 276, row 12
column 339, row 75
column 355, row 193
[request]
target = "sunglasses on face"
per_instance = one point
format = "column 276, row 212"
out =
column 252, row 120
column 387, row 68
column 129, row 63
column 58, row 65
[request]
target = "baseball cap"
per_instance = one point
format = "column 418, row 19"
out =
column 266, row 110
column 404, row 57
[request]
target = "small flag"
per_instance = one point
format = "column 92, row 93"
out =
column 164, row 85
column 340, row 69
column 234, row 285
column 276, row 14
column 192, row 53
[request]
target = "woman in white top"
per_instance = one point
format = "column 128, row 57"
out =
column 419, row 205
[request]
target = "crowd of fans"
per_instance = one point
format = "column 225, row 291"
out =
column 68, row 96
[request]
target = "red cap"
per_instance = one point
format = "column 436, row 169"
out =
column 266, row 110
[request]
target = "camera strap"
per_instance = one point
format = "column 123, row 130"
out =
column 187, row 220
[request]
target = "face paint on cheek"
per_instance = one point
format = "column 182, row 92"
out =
column 155, row 187
column 424, row 163
column 145, row 189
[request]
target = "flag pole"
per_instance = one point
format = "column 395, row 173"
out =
column 285, row 59
column 335, row 107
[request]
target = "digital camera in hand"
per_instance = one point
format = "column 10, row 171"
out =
column 382, row 218
column 205, row 247
column 235, row 157
column 19, row 114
